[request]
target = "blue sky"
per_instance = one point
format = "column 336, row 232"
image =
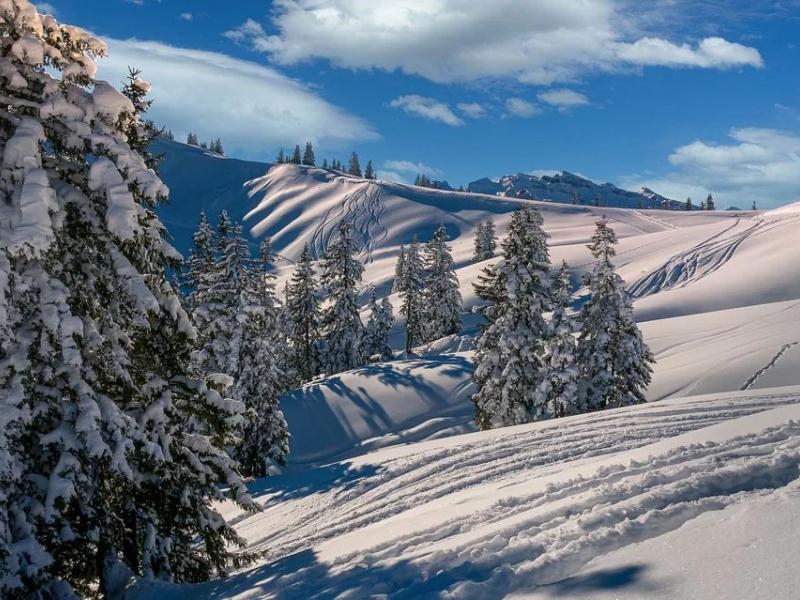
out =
column 684, row 96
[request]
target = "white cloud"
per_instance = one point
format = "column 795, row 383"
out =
column 407, row 166
column 251, row 107
column 537, row 41
column 473, row 110
column 392, row 176
column 186, row 16
column 45, row 8
column 518, row 107
column 563, row 99
column 757, row 164
column 427, row 108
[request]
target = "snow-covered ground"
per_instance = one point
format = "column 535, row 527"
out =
column 666, row 499
column 689, row 497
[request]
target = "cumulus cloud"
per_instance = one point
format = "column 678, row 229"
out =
column 186, row 16
column 407, row 166
column 251, row 107
column 427, row 108
column 757, row 164
column 537, row 41
column 519, row 107
column 473, row 110
column 563, row 99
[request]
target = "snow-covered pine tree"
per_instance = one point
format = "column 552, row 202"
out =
column 296, row 158
column 399, row 269
column 410, row 284
column 302, row 307
column 485, row 241
column 354, row 168
column 100, row 473
column 615, row 362
column 308, row 156
column 199, row 269
column 561, row 352
column 376, row 332
column 325, row 163
column 261, row 375
column 369, row 172
column 510, row 367
column 441, row 293
column 281, row 158
column 191, row 139
column 341, row 323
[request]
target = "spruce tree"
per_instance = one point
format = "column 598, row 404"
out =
column 614, row 360
column 510, row 365
column 199, row 269
column 689, row 204
column 341, row 323
column 308, row 155
column 410, row 284
column 369, row 172
column 354, row 168
column 302, row 306
column 561, row 352
column 111, row 452
column 376, row 332
column 296, row 158
column 281, row 158
column 325, row 163
column 485, row 241
column 441, row 294
column 710, row 202
column 191, row 139
column 261, row 375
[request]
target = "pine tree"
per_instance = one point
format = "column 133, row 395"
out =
column 191, row 139
column 410, row 283
column 261, row 376
column 755, row 208
column 485, row 241
column 441, row 295
column 199, row 268
column 689, row 205
column 281, row 158
column 308, row 156
column 217, row 147
column 302, row 306
column 342, row 327
column 710, row 202
column 140, row 132
column 296, row 158
column 369, row 172
column 510, row 362
column 614, row 360
column 354, row 168
column 376, row 332
column 325, row 163
column 561, row 352
column 110, row 451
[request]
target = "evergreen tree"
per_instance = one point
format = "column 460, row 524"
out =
column 485, row 241
column 204, row 145
column 689, row 205
column 410, row 283
column 376, row 332
column 614, row 360
column 755, row 208
column 296, row 158
column 308, row 156
column 325, row 163
column 399, row 269
column 200, row 269
column 302, row 306
column 217, row 147
column 281, row 158
column 341, row 277
column 191, row 139
column 110, row 451
column 441, row 295
column 261, row 375
column 561, row 353
column 140, row 132
column 369, row 172
column 510, row 368
column 710, row 202
column 354, row 168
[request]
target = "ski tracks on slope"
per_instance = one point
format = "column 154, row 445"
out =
column 772, row 362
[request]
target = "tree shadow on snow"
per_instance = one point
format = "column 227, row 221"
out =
column 295, row 485
column 602, row 580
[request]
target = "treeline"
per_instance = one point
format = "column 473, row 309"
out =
column 214, row 146
column 308, row 159
column 529, row 363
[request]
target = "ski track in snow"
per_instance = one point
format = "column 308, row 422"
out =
column 524, row 540
column 773, row 361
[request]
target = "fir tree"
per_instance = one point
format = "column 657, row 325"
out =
column 376, row 332
column 510, row 361
column 689, row 205
column 561, row 352
column 710, row 202
column 281, row 158
column 485, row 241
column 369, row 172
column 308, row 156
column 110, row 451
column 614, row 360
column 342, row 327
column 325, row 163
column 302, row 307
column 191, row 139
column 354, row 168
column 296, row 158
column 200, row 267
column 410, row 283
column 261, row 375
column 441, row 295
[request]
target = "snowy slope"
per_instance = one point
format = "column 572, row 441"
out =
column 567, row 507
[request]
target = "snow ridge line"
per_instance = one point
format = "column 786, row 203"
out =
column 773, row 361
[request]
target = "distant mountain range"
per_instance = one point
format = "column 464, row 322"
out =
column 570, row 188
